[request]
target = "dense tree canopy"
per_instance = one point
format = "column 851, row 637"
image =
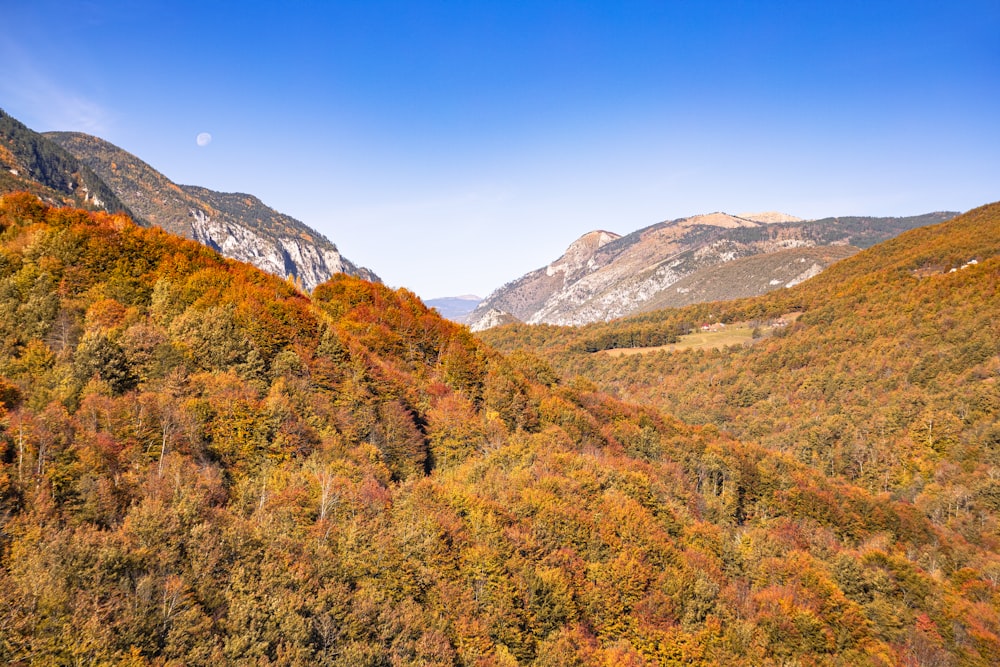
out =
column 199, row 463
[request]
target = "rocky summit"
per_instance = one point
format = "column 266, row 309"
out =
column 709, row 257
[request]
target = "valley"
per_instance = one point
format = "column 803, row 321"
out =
column 776, row 438
column 730, row 398
column 201, row 463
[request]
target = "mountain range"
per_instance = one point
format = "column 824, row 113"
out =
column 712, row 257
column 79, row 169
column 601, row 276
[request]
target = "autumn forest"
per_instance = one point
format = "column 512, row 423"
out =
column 201, row 463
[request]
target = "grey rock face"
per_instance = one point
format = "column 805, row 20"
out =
column 281, row 255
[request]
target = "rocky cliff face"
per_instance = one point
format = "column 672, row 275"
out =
column 709, row 257
column 238, row 225
column 286, row 256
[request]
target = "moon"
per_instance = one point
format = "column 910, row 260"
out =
column 203, row 139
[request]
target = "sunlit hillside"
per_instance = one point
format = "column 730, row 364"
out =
column 886, row 379
column 199, row 463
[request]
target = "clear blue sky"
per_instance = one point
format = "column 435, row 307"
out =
column 453, row 146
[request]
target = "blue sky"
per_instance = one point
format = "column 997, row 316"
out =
column 453, row 146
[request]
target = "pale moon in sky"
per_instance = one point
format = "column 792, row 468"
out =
column 203, row 139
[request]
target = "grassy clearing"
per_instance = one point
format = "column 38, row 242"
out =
column 738, row 333
column 701, row 340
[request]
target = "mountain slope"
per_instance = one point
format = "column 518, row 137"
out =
column 882, row 371
column 238, row 225
column 30, row 162
column 749, row 276
column 649, row 268
column 200, row 464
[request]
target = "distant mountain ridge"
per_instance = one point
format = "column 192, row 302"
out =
column 239, row 225
column 711, row 257
column 455, row 308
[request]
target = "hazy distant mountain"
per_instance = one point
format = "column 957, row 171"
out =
column 30, row 162
column 455, row 308
column 703, row 258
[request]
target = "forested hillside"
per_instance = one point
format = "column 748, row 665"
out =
column 199, row 463
column 887, row 379
column 888, row 373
